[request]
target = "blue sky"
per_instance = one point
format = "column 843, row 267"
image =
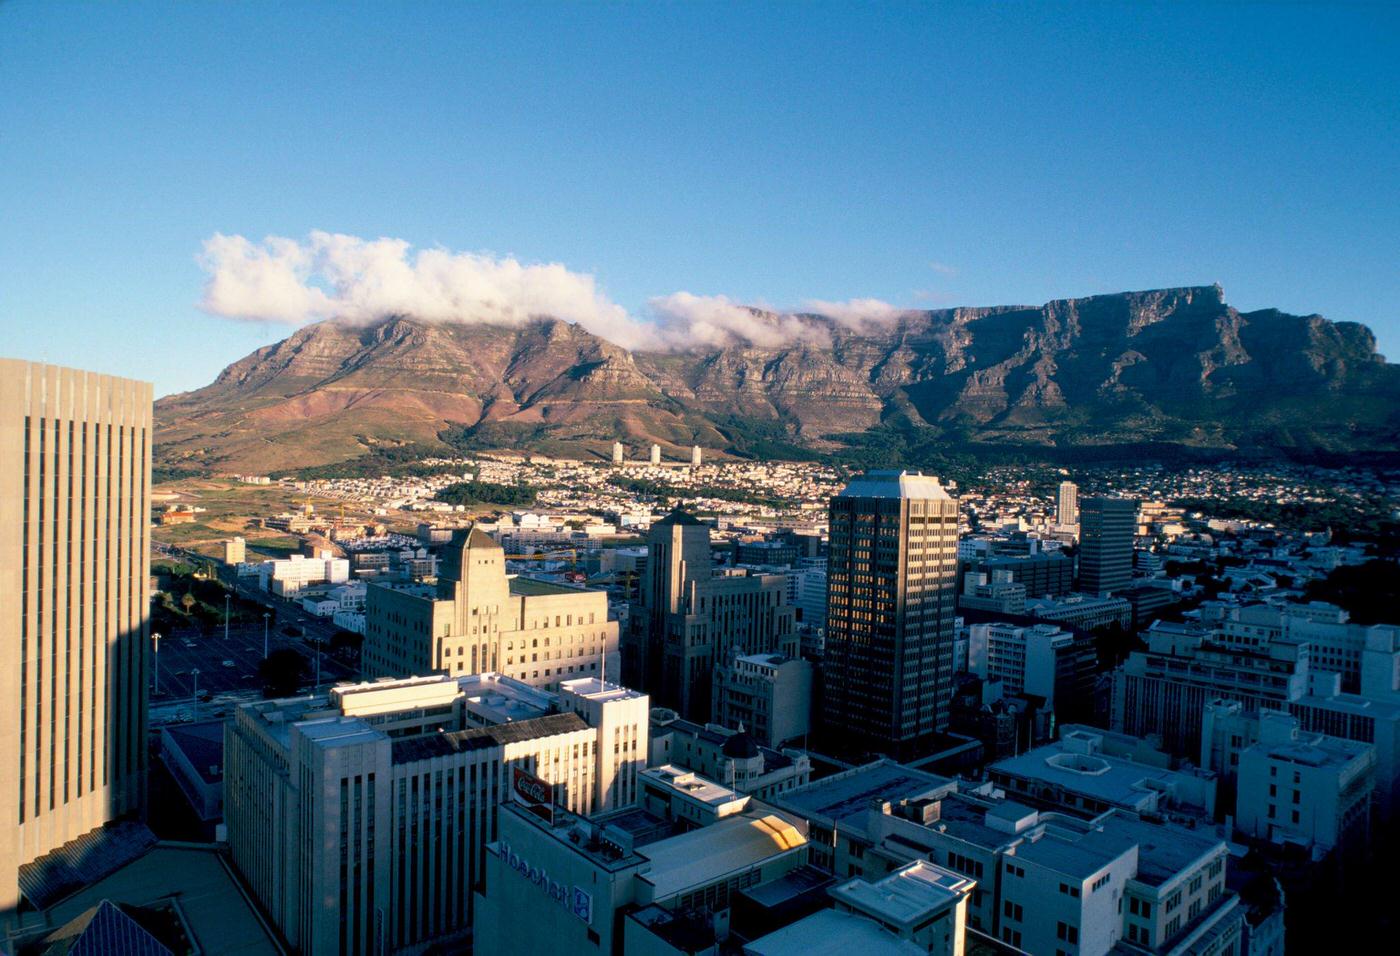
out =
column 923, row 155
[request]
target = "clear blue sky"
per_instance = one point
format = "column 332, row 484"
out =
column 924, row 155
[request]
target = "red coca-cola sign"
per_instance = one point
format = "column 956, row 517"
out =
column 530, row 788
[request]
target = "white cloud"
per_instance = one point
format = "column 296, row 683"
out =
column 943, row 269
column 346, row 277
column 330, row 275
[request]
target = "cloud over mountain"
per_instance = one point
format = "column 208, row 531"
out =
column 332, row 275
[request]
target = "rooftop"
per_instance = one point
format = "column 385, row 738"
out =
column 1164, row 850
column 907, row 896
column 843, row 798
column 895, row 484
column 706, row 855
column 408, row 749
column 592, row 688
column 833, row 933
column 1116, row 781
column 534, row 587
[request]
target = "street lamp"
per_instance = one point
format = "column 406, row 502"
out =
column 155, row 686
column 195, row 674
column 266, row 616
column 226, row 601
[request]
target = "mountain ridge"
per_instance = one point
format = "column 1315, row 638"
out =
column 1177, row 366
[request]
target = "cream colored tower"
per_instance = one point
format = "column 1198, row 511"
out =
column 75, row 475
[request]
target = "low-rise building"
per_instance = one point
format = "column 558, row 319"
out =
column 1077, row 774
column 1304, row 789
column 730, row 756
column 626, row 882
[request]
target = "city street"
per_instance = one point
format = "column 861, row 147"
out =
column 189, row 649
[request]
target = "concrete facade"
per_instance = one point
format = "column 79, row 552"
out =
column 75, row 512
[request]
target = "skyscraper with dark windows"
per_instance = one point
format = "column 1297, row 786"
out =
column 1106, row 529
column 75, row 475
column 891, row 599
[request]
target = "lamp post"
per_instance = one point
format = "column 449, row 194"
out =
column 226, row 604
column 194, row 673
column 155, row 686
column 266, row 616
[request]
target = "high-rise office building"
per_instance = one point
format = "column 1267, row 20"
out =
column 655, row 454
column 75, row 476
column 1106, row 529
column 891, row 603
column 695, row 457
column 617, row 453
column 1067, row 507
column 687, row 621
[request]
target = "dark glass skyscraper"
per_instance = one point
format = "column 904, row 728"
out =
column 891, row 598
column 1106, row 529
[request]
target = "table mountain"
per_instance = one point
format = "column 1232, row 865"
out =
column 1176, row 366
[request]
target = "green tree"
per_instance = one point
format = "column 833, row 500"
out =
column 282, row 672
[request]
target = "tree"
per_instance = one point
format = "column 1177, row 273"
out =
column 188, row 602
column 282, row 672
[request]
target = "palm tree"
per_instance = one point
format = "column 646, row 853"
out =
column 187, row 602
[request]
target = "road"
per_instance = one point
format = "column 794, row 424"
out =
column 189, row 649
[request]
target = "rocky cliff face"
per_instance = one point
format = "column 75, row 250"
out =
column 1170, row 365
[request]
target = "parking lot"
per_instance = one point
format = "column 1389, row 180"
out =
column 230, row 665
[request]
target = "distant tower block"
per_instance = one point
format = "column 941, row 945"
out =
column 655, row 454
column 617, row 453
column 695, row 457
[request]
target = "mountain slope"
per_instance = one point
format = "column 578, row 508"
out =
column 1170, row 365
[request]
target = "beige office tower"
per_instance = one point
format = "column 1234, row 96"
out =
column 695, row 457
column 1067, row 507
column 617, row 453
column 655, row 454
column 75, row 474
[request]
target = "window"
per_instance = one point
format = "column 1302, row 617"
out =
column 1011, row 910
column 1066, row 932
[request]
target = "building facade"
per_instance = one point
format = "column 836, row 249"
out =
column 359, row 818
column 688, row 622
column 1067, row 504
column 1106, row 530
column 75, row 511
column 892, row 593
column 475, row 619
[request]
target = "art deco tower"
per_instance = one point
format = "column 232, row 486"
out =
column 75, row 475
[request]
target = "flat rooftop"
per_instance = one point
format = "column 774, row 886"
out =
column 428, row 746
column 534, row 587
column 691, row 785
column 907, row 896
column 498, row 699
column 1116, row 781
column 1164, row 850
column 593, row 688
column 833, row 933
column 843, row 798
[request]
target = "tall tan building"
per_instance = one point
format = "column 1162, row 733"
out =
column 475, row 618
column 75, row 476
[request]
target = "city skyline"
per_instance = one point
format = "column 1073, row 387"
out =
column 966, row 157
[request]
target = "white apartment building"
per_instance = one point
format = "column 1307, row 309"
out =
column 1304, row 789
column 1337, row 645
column 995, row 592
column 288, row 576
column 358, row 817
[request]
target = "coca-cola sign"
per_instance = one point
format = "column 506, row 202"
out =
column 530, row 788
